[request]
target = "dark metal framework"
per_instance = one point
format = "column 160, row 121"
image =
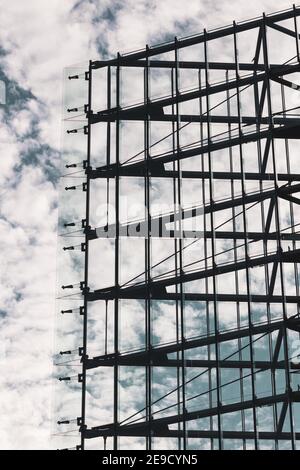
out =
column 255, row 357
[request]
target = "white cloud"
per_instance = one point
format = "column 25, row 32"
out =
column 41, row 39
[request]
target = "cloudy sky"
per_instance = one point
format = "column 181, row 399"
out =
column 38, row 40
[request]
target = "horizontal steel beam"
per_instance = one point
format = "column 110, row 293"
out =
column 160, row 172
column 200, row 38
column 156, row 161
column 159, row 351
column 158, row 361
column 207, row 434
column 198, row 118
column 162, row 295
column 186, row 64
column 292, row 256
column 158, row 287
column 155, row 107
column 201, row 234
column 141, row 289
column 158, row 224
column 158, row 423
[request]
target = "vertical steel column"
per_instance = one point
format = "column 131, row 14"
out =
column 277, row 225
column 148, row 335
column 176, row 248
column 117, row 255
column 235, row 254
column 180, row 241
column 205, row 250
column 265, row 227
column 108, row 156
column 262, row 167
column 108, row 137
column 213, row 249
column 86, row 261
column 236, row 60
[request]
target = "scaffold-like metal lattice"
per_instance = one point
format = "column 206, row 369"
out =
column 187, row 266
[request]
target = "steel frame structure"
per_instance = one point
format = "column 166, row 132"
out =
column 206, row 425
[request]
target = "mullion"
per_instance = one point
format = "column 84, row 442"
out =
column 205, row 243
column 245, row 239
column 176, row 268
column 277, row 224
column 257, row 101
column 148, row 340
column 234, row 228
column 212, row 245
column 180, row 241
column 108, row 139
column 117, row 257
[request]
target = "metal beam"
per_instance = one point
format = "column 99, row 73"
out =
column 198, row 234
column 282, row 29
column 160, row 172
column 159, row 351
column 157, row 105
column 282, row 132
column 157, row 423
column 200, row 38
column 158, row 361
column 185, row 64
column 158, row 223
column 136, row 289
column 198, row 118
column 200, row 434
column 282, row 417
column 163, row 295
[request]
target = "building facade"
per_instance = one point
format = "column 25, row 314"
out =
column 180, row 237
